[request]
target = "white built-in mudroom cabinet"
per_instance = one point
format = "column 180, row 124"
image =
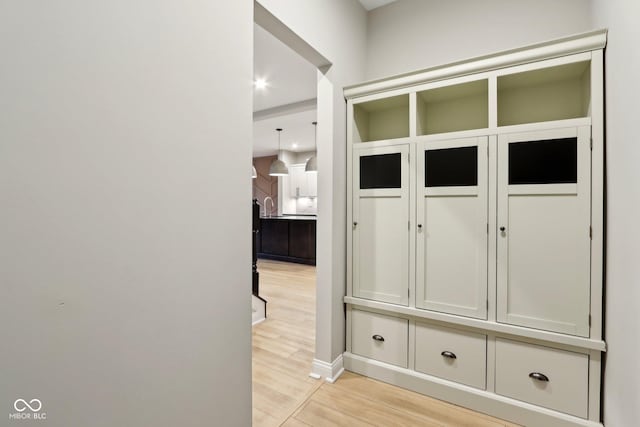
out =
column 475, row 251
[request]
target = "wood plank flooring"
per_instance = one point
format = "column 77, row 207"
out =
column 285, row 395
column 283, row 345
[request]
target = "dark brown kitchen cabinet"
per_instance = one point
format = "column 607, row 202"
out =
column 275, row 236
column 292, row 240
column 302, row 239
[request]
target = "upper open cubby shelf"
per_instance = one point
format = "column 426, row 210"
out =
column 557, row 89
column 386, row 118
column 554, row 93
column 453, row 108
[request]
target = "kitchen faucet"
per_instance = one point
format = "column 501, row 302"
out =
column 264, row 205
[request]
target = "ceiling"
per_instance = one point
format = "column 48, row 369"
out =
column 288, row 99
column 296, row 128
column 373, row 4
column 290, row 78
column 291, row 81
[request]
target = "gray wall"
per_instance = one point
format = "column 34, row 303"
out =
column 413, row 34
column 124, row 284
column 622, row 321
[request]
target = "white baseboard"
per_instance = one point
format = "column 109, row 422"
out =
column 256, row 321
column 259, row 310
column 329, row 371
column 468, row 397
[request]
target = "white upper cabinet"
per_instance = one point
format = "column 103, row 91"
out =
column 381, row 224
column 451, row 239
column 295, row 172
column 312, row 183
column 301, row 183
column 544, row 245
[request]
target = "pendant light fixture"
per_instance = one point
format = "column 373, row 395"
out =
column 278, row 167
column 312, row 163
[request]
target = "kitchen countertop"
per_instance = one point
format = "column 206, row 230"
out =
column 295, row 217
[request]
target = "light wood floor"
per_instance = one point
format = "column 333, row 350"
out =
column 285, row 395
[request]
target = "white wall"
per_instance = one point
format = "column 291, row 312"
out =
column 409, row 35
column 622, row 321
column 302, row 157
column 307, row 206
column 337, row 29
column 124, row 270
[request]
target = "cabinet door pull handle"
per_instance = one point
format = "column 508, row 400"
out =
column 355, row 223
column 420, row 226
column 538, row 376
column 502, row 229
column 448, row 354
column 378, row 338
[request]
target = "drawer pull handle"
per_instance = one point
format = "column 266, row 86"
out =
column 448, row 354
column 538, row 376
column 378, row 338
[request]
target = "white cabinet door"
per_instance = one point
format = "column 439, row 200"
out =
column 544, row 185
column 297, row 181
column 301, row 183
column 451, row 238
column 293, row 181
column 312, row 184
column 381, row 224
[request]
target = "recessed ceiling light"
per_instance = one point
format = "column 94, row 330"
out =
column 294, row 145
column 260, row 83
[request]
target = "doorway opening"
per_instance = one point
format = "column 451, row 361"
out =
column 287, row 72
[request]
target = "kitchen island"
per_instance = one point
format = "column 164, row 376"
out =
column 289, row 238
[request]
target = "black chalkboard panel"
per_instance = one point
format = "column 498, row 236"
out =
column 549, row 161
column 381, row 171
column 451, row 167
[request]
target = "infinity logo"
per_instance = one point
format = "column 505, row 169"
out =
column 21, row 405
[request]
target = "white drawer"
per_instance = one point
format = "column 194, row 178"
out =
column 563, row 386
column 380, row 337
column 452, row 354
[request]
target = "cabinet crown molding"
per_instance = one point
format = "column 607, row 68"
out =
column 577, row 43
